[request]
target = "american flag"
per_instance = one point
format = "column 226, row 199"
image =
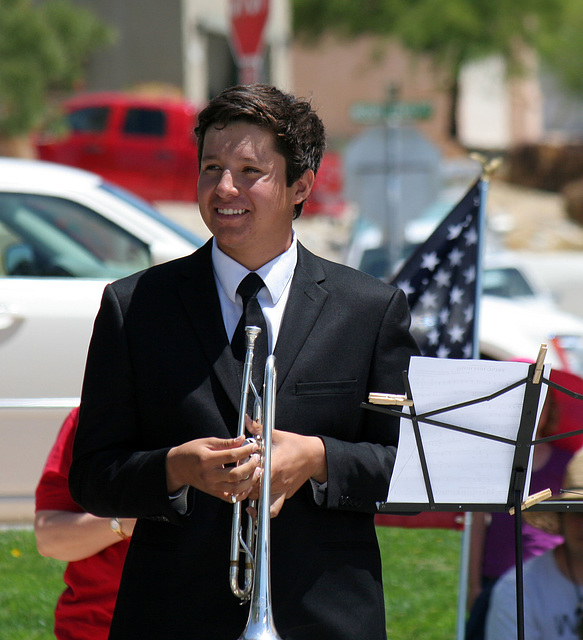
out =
column 440, row 281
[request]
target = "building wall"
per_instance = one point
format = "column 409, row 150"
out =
column 484, row 109
column 497, row 111
column 209, row 63
column 184, row 43
column 337, row 74
column 146, row 48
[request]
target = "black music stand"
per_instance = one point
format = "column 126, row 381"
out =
column 523, row 442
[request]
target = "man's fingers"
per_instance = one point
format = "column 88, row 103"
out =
column 274, row 509
column 230, row 443
column 253, row 427
column 238, row 453
column 276, row 504
column 242, row 481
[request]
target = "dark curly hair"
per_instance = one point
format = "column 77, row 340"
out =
column 298, row 131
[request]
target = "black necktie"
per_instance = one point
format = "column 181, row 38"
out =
column 251, row 316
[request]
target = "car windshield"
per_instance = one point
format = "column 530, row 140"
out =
column 49, row 236
column 144, row 207
column 506, row 282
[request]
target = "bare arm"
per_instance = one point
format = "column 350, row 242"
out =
column 69, row 536
column 477, row 538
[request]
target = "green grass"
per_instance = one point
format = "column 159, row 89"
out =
column 420, row 576
column 420, row 569
column 29, row 588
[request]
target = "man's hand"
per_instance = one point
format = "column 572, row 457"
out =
column 294, row 460
column 222, row 468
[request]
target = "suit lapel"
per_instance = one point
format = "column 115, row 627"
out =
column 201, row 301
column 304, row 305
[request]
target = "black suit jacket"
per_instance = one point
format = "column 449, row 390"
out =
column 160, row 372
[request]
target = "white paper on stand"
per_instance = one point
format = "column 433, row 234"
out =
column 463, row 468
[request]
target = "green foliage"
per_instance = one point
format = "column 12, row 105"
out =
column 29, row 588
column 43, row 47
column 313, row 18
column 79, row 33
column 453, row 32
column 562, row 48
column 420, row 574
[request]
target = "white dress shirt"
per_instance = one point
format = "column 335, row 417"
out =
column 277, row 276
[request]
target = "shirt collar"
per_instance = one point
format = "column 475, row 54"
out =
column 276, row 274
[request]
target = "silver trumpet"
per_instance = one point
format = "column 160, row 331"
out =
column 256, row 545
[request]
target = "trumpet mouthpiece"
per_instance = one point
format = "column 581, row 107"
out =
column 251, row 334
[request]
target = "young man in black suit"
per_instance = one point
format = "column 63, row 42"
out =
column 158, row 419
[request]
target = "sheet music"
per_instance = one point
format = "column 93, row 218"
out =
column 463, row 468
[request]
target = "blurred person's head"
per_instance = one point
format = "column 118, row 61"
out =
column 568, row 524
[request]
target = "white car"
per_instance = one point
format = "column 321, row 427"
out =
column 517, row 314
column 64, row 233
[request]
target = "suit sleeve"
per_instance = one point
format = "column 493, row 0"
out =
column 359, row 472
column 110, row 475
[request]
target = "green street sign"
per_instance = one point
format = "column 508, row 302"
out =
column 374, row 113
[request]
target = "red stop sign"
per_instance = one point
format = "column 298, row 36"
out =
column 248, row 18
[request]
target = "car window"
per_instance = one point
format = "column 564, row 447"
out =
column 144, row 207
column 45, row 236
column 144, row 122
column 505, row 282
column 89, row 119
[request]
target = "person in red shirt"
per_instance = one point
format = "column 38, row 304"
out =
column 94, row 548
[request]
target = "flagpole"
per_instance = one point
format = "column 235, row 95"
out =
column 488, row 169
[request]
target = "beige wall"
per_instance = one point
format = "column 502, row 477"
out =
column 337, row 74
column 497, row 111
column 145, row 50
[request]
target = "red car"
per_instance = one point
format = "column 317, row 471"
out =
column 327, row 198
column 147, row 145
column 143, row 143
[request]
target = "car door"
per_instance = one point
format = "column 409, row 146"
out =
column 143, row 155
column 56, row 256
column 44, row 334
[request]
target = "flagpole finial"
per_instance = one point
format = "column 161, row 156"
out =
column 489, row 167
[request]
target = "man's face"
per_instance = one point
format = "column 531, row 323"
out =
column 243, row 197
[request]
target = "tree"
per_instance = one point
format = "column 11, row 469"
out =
column 562, row 49
column 452, row 32
column 43, row 48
